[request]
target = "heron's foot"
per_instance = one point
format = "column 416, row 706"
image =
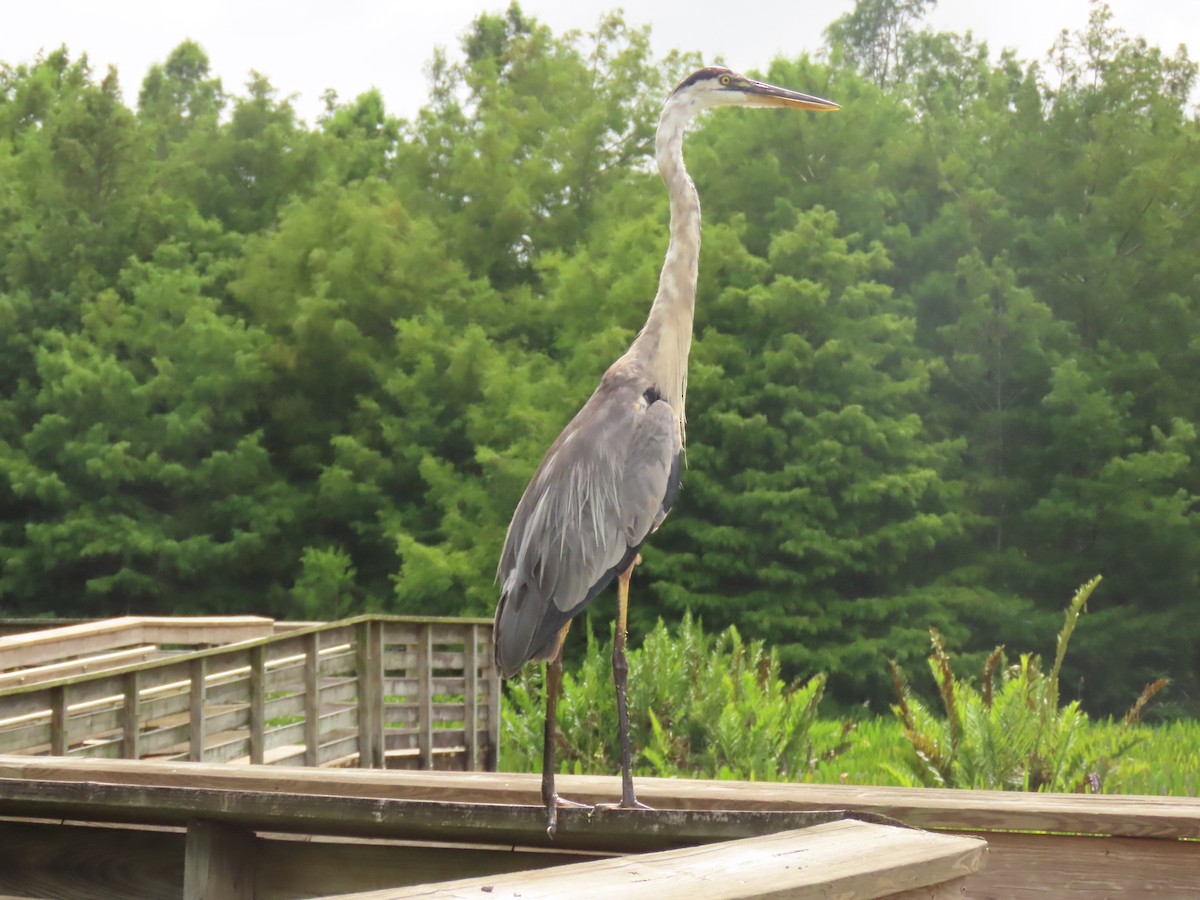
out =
column 631, row 803
column 553, row 805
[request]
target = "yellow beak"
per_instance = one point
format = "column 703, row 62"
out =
column 761, row 94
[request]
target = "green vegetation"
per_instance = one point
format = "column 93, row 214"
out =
column 1011, row 732
column 944, row 366
column 699, row 705
column 715, row 707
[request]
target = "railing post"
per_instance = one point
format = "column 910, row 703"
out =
column 131, row 734
column 425, row 694
column 258, row 657
column 369, row 660
column 493, row 753
column 471, row 697
column 196, row 697
column 218, row 862
column 60, row 739
column 312, row 698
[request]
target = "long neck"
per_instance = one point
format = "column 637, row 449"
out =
column 666, row 339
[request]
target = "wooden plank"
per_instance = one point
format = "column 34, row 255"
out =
column 159, row 740
column 1119, row 815
column 200, row 630
column 229, row 751
column 369, row 663
column 312, row 697
column 218, row 862
column 88, row 664
column 454, row 631
column 196, row 710
column 90, row 863
column 1036, row 866
column 415, row 739
column 291, row 868
column 87, row 863
column 221, row 719
column 492, row 760
column 953, row 889
column 424, row 716
column 100, row 863
column 410, row 659
column 407, row 686
column 60, row 737
column 425, row 695
column 342, row 748
column 839, row 859
column 131, row 725
column 257, row 698
column 25, row 738
column 54, row 644
column 471, row 698
column 23, row 624
column 614, row 830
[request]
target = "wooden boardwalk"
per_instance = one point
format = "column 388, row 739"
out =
column 484, row 825
column 234, row 833
column 371, row 691
column 114, row 786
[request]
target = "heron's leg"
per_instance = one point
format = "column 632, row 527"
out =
column 553, row 686
column 620, row 675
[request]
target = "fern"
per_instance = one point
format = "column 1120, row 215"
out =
column 1011, row 733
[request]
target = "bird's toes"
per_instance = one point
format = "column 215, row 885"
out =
column 553, row 806
column 624, row 804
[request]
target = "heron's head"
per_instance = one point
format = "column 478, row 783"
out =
column 717, row 86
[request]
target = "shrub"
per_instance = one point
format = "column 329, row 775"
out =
column 699, row 705
column 1011, row 732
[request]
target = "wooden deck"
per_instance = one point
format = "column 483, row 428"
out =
column 232, row 833
column 1090, row 846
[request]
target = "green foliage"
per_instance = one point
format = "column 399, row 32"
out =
column 699, row 705
column 713, row 706
column 943, row 368
column 1011, row 732
column 1160, row 760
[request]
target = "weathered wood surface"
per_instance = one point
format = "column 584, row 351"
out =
column 291, row 868
column 616, row 830
column 54, row 644
column 324, row 683
column 96, row 663
column 845, row 859
column 1142, row 846
column 75, row 861
column 39, row 859
column 218, row 862
column 1038, row 867
column 1116, row 815
column 85, row 862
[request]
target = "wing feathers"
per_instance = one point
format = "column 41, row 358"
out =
column 603, row 486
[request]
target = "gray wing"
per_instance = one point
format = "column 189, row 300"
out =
column 604, row 485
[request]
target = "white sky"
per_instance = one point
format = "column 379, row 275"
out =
column 304, row 47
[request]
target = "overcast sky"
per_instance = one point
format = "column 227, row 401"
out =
column 304, row 47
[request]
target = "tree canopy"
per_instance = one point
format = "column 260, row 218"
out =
column 943, row 369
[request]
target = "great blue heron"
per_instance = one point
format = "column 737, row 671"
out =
column 609, row 479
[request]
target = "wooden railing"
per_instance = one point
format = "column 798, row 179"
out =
column 372, row 691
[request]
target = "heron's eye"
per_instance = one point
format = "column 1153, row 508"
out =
column 725, row 79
